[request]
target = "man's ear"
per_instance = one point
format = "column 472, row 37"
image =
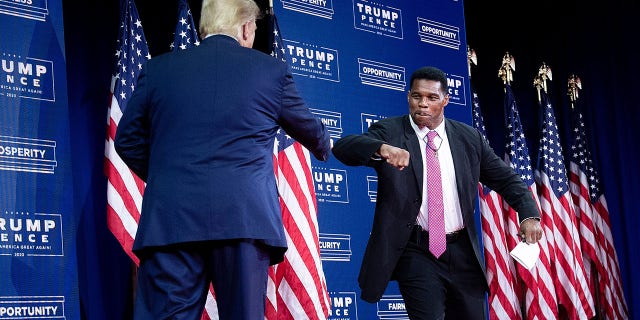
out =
column 245, row 31
column 246, row 35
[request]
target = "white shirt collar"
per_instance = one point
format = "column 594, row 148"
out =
column 423, row 132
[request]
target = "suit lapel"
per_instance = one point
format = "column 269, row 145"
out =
column 413, row 146
column 458, row 153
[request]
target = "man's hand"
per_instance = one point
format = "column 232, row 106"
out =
column 394, row 156
column 531, row 231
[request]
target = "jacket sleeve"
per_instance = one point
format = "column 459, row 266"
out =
column 500, row 177
column 302, row 125
column 360, row 149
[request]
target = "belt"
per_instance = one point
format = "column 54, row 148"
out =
column 421, row 237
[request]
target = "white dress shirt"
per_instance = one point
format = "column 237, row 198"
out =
column 452, row 213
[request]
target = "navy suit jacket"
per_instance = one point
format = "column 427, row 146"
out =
column 399, row 193
column 200, row 130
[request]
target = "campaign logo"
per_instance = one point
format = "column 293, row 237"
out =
column 457, row 92
column 382, row 75
column 24, row 154
column 30, row 234
column 24, row 77
column 332, row 121
column 30, row 9
column 343, row 306
column 391, row 307
column 368, row 120
column 439, row 33
column 320, row 8
column 32, row 307
column 335, row 247
column 313, row 61
column 331, row 185
column 377, row 18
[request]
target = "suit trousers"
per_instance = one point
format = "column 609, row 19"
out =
column 173, row 281
column 449, row 287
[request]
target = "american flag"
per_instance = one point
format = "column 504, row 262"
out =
column 539, row 294
column 503, row 300
column 124, row 188
column 297, row 288
column 593, row 216
column 571, row 285
column 186, row 35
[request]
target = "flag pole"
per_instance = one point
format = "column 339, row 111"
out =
column 574, row 85
column 507, row 68
column 471, row 59
column 540, row 80
column 271, row 7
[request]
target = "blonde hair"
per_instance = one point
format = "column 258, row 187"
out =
column 226, row 16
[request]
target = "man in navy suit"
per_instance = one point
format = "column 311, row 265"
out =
column 451, row 285
column 200, row 129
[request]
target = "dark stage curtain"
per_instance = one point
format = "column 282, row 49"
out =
column 594, row 42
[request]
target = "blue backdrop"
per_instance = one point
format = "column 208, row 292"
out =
column 352, row 61
column 38, row 270
column 370, row 51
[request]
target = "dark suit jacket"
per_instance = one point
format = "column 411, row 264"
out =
column 400, row 192
column 200, row 130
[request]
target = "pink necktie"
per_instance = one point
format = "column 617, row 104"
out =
column 435, row 206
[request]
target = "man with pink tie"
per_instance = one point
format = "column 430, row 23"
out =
column 424, row 231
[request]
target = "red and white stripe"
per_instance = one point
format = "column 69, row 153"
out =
column 610, row 259
column 571, row 283
column 296, row 287
column 124, row 188
column 595, row 234
column 299, row 281
column 537, row 283
column 591, row 247
column 504, row 302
